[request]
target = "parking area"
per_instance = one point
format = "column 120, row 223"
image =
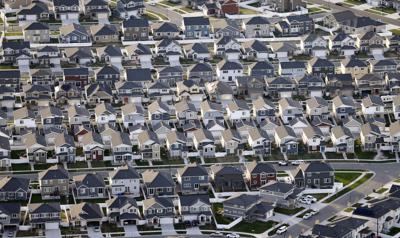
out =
column 193, row 230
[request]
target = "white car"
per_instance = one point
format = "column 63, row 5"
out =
column 281, row 230
column 283, row 163
column 314, row 212
column 297, row 162
column 311, row 198
column 307, row 216
column 233, row 235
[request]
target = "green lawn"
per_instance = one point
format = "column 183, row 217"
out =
column 348, row 189
column 393, row 231
column 388, row 10
column 142, row 162
column 78, row 165
column 256, row 227
column 42, row 166
column 101, row 163
column 15, row 154
column 346, row 178
column 16, row 33
column 349, row 209
column 218, row 209
column 376, row 12
column 333, row 155
column 20, row 167
column 381, row 190
column 395, row 31
column 36, row 198
column 246, row 11
column 365, row 154
column 166, row 2
column 354, row 2
column 107, row 228
column 312, row 10
column 153, row 14
column 288, row 211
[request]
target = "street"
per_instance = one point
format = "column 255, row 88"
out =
column 357, row 12
column 174, row 17
column 384, row 173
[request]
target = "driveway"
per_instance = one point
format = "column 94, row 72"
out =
column 94, row 234
column 193, row 231
column 53, row 233
column 131, row 231
column 168, row 229
column 5, row 234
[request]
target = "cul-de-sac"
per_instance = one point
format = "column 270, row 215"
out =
column 200, row 118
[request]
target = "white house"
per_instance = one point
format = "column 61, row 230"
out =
column 132, row 114
column 372, row 106
column 228, row 71
column 238, row 110
column 125, row 180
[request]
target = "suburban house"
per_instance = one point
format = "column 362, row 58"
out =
column 315, row 175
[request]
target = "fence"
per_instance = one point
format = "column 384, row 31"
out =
column 230, row 225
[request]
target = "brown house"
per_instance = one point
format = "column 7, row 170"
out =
column 259, row 174
column 76, row 76
column 230, row 7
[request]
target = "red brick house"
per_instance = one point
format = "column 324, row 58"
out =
column 76, row 76
column 259, row 174
column 230, row 7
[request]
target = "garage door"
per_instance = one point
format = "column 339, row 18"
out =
column 51, row 225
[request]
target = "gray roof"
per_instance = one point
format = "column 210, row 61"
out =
column 90, row 180
column 372, row 100
column 86, row 211
column 13, row 184
column 124, row 172
column 192, row 170
column 157, row 179
column 195, row 21
column 255, row 167
column 242, row 200
column 54, row 172
column 276, row 186
column 120, row 201
column 51, row 207
column 189, row 200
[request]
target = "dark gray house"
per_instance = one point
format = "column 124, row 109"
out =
column 196, row 27
column 249, row 207
column 156, row 208
column 12, row 188
column 157, row 183
column 193, row 179
column 89, row 186
column 195, row 208
column 315, row 175
column 227, row 178
column 262, row 69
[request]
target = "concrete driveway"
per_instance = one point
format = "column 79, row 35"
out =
column 131, row 231
column 53, row 233
column 12, row 234
column 193, row 230
column 168, row 229
column 94, row 234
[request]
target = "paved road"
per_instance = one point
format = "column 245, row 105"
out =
column 357, row 12
column 174, row 17
column 384, row 173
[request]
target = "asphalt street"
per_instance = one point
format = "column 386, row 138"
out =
column 174, row 17
column 384, row 173
column 378, row 17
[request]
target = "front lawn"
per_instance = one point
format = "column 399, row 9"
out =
column 318, row 196
column 393, row 231
column 15, row 154
column 78, row 165
column 42, row 166
column 218, row 210
column 256, row 227
column 354, row 2
column 333, row 155
column 20, row 167
column 365, row 154
column 346, row 178
column 381, row 190
column 349, row 188
column 168, row 3
column 107, row 228
column 101, row 163
column 395, row 31
column 245, row 11
column 288, row 211
column 388, row 10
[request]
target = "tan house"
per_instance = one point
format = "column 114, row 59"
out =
column 104, row 33
column 356, row 67
column 54, row 182
column 36, row 32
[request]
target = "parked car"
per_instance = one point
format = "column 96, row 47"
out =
column 314, row 212
column 233, row 235
column 97, row 229
column 297, row 162
column 281, row 230
column 283, row 163
column 313, row 199
column 307, row 216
